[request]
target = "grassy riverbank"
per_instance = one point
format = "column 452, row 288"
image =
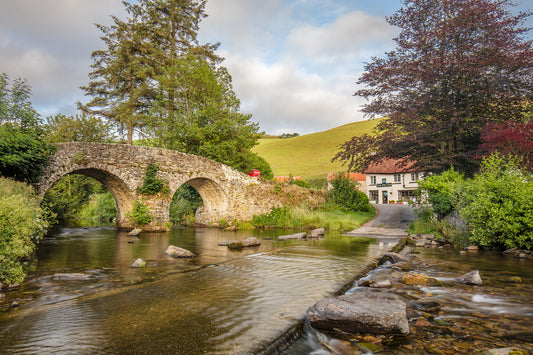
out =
column 329, row 217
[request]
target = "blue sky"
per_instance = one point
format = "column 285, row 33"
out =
column 294, row 63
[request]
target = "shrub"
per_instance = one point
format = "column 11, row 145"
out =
column 442, row 191
column 139, row 214
column 22, row 223
column 279, row 217
column 497, row 204
column 346, row 195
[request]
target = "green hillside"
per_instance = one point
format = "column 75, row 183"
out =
column 309, row 156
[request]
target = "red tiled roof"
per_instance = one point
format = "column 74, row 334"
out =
column 391, row 166
column 352, row 176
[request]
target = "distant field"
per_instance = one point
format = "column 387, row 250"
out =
column 309, row 156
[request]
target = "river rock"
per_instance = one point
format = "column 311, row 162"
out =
column 395, row 257
column 472, row 248
column 420, row 279
column 235, row 244
column 135, row 232
column 514, row 279
column 2, row 297
column 365, row 311
column 426, row 304
column 317, row 233
column 3, row 287
column 380, row 284
column 403, row 265
column 293, row 236
column 178, row 252
column 471, row 278
column 71, row 277
column 251, row 242
column 138, row 263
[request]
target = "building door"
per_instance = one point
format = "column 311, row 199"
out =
column 385, row 197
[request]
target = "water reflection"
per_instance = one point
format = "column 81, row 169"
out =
column 222, row 301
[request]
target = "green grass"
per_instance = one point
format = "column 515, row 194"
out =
column 309, row 156
column 329, row 218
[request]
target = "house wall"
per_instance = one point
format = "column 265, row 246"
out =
column 387, row 189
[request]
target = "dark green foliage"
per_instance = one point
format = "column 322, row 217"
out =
column 140, row 214
column 184, row 204
column 152, row 184
column 22, row 224
column 23, row 152
column 345, row 194
column 497, row 204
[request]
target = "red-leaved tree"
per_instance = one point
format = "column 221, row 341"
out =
column 458, row 65
column 509, row 138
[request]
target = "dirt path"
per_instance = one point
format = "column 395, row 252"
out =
column 390, row 221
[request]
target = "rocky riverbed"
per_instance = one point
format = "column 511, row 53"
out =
column 447, row 313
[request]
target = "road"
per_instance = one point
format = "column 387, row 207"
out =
column 390, row 221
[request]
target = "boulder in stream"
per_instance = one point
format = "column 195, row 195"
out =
column 365, row 311
column 138, row 263
column 177, row 252
column 317, row 233
column 471, row 278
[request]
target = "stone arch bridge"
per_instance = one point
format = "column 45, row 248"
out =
column 227, row 194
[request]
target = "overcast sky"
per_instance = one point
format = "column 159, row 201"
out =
column 294, row 63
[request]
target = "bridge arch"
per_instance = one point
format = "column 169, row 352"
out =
column 215, row 199
column 108, row 176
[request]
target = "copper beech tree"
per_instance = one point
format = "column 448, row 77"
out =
column 458, row 65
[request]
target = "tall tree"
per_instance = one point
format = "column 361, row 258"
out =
column 157, row 77
column 23, row 151
column 204, row 117
column 458, row 65
column 123, row 80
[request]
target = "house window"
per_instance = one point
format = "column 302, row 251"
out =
column 414, row 176
column 374, row 196
column 384, row 181
column 372, row 180
column 397, row 178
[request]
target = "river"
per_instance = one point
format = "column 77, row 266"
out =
column 222, row 301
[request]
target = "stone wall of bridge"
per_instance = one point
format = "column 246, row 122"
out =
column 227, row 194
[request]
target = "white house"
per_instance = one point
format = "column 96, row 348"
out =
column 391, row 182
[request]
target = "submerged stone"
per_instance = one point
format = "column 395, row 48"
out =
column 72, row 277
column 420, row 279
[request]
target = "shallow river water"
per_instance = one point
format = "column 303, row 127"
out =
column 222, row 301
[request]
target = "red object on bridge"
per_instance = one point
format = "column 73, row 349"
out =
column 255, row 173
